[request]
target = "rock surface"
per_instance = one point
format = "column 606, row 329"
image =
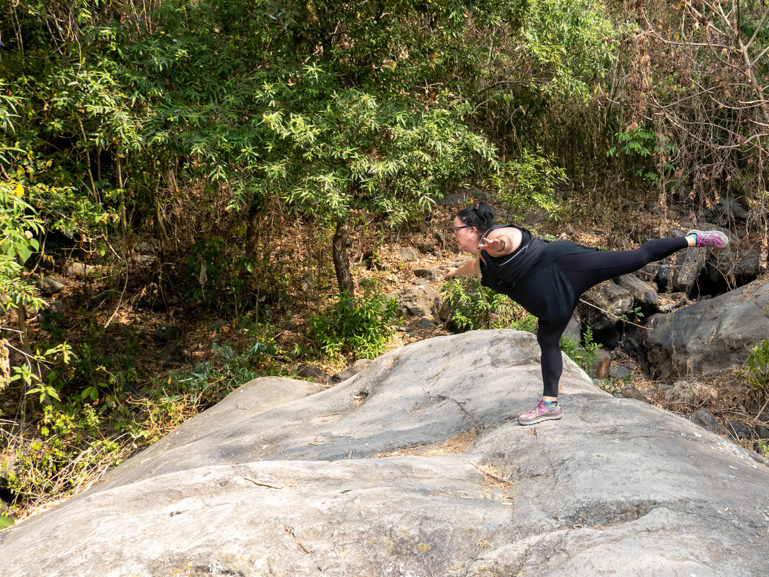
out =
column 415, row 467
column 710, row 335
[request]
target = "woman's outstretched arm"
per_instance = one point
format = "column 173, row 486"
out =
column 471, row 267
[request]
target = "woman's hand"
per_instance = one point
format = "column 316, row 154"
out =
column 469, row 268
column 497, row 245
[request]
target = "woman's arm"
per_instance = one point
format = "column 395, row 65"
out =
column 469, row 268
column 502, row 241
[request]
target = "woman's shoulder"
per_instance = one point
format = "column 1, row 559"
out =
column 515, row 229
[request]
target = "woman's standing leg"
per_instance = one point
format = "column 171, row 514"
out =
column 549, row 339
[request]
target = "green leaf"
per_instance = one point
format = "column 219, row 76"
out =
column 5, row 521
column 23, row 251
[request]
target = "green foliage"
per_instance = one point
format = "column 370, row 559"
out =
column 29, row 372
column 91, row 429
column 472, row 307
column 758, row 367
column 19, row 225
column 642, row 144
column 223, row 372
column 356, row 326
column 352, row 151
column 573, row 42
column 70, row 448
column 530, row 180
column 584, row 353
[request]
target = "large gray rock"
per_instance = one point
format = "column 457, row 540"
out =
column 415, row 467
column 418, row 301
column 710, row 335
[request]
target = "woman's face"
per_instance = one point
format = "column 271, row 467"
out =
column 467, row 236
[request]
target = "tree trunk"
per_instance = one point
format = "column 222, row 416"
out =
column 341, row 260
column 21, row 320
column 252, row 230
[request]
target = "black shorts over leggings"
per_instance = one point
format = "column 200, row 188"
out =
column 584, row 270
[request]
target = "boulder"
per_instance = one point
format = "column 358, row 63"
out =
column 50, row 285
column 604, row 303
column 733, row 267
column 644, row 294
column 710, row 335
column 689, row 265
column 416, row 467
column 79, row 269
column 707, row 420
column 409, row 254
column 679, row 272
column 430, row 274
column 418, row 301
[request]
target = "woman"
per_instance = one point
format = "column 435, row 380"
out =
column 547, row 279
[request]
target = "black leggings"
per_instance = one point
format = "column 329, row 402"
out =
column 584, row 270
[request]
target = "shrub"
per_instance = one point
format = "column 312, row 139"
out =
column 758, row 367
column 584, row 353
column 360, row 327
column 68, row 452
column 472, row 306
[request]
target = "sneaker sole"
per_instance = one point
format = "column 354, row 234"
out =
column 539, row 419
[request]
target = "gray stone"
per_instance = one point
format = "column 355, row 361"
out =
column 689, row 266
column 728, row 210
column 706, row 420
column 644, row 294
column 672, row 301
column 79, row 269
column 431, row 274
column 416, row 467
column 427, row 247
column 308, row 371
column 631, row 392
column 606, row 302
column 740, row 430
column 602, row 365
column 350, row 372
column 574, row 328
column 50, row 285
column 409, row 254
column 619, row 371
column 731, row 265
column 711, row 335
column 418, row 301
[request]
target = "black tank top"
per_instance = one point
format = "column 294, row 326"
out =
column 531, row 277
column 505, row 272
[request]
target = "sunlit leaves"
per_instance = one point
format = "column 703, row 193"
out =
column 351, row 151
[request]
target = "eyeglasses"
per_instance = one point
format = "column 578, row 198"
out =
column 456, row 228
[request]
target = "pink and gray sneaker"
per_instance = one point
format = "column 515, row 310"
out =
column 544, row 411
column 709, row 238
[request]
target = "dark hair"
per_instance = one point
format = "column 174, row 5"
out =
column 481, row 216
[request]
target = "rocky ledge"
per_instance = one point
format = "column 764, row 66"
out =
column 416, row 466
